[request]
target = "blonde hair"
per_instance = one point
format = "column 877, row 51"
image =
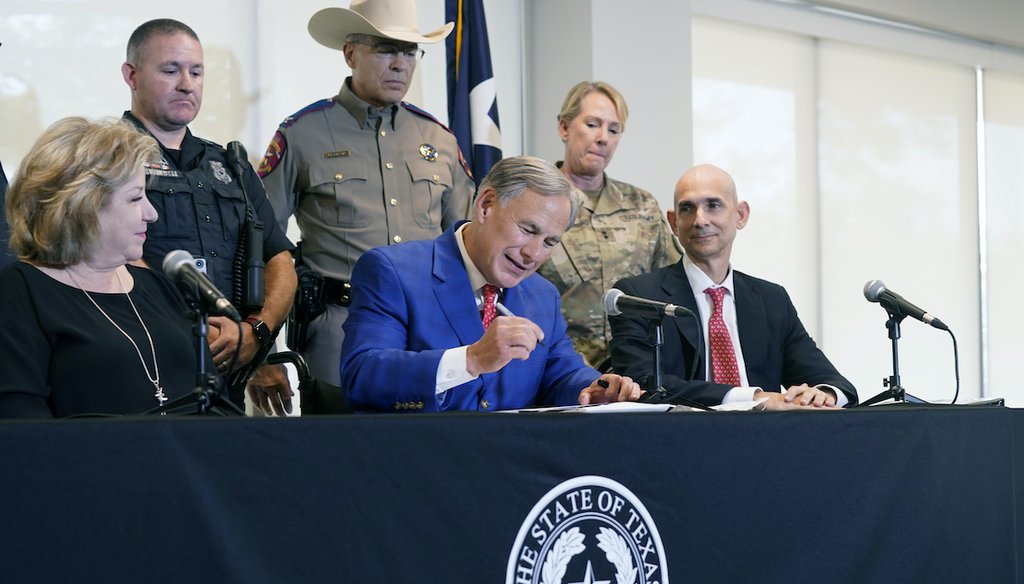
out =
column 574, row 101
column 66, row 178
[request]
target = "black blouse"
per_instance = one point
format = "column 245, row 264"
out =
column 59, row 356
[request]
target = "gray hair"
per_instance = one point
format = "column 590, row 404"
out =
column 157, row 27
column 510, row 177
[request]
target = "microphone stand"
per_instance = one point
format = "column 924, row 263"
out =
column 657, row 340
column 207, row 396
column 659, row 394
column 894, row 390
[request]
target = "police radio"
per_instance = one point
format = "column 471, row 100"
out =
column 247, row 267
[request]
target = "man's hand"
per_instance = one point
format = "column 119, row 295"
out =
column 798, row 397
column 508, row 338
column 223, row 338
column 610, row 388
column 269, row 390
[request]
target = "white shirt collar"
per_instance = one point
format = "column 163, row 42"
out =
column 699, row 281
column 476, row 279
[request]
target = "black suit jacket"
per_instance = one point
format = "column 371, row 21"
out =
column 777, row 350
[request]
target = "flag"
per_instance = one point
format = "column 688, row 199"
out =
column 472, row 95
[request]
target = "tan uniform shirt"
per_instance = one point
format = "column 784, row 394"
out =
column 620, row 232
column 358, row 177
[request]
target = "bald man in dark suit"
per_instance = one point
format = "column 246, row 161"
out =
column 762, row 351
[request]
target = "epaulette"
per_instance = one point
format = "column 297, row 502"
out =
column 424, row 114
column 209, row 142
column 315, row 106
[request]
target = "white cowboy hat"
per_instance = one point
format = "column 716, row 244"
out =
column 392, row 19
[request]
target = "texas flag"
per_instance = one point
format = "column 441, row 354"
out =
column 472, row 95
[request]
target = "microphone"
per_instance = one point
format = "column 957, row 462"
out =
column 875, row 291
column 616, row 302
column 237, row 153
column 249, row 290
column 180, row 266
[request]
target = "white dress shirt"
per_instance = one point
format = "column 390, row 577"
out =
column 451, row 371
column 699, row 281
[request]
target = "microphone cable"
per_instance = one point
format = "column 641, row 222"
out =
column 956, row 366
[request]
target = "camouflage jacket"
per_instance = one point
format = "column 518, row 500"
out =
column 618, row 234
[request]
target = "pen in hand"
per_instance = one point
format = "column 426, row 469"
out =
column 504, row 311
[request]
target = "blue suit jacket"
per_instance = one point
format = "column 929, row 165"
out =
column 777, row 350
column 413, row 301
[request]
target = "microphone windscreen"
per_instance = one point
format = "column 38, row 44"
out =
column 873, row 289
column 610, row 301
column 174, row 259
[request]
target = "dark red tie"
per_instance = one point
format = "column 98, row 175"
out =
column 723, row 357
column 490, row 296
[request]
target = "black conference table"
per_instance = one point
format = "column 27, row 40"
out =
column 892, row 494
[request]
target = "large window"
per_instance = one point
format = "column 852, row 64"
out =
column 860, row 163
column 1004, row 180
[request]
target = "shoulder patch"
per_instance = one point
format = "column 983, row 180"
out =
column 465, row 165
column 315, row 106
column 273, row 155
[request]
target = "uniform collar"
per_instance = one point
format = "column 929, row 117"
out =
column 609, row 198
column 191, row 147
column 365, row 114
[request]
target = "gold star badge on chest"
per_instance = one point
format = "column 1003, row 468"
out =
column 428, row 152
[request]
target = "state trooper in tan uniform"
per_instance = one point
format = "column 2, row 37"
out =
column 363, row 169
column 620, row 230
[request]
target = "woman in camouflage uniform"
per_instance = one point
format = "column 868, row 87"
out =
column 620, row 230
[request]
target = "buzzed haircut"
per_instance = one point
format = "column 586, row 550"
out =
column 156, row 27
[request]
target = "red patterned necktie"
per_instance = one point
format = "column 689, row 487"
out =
column 723, row 357
column 490, row 296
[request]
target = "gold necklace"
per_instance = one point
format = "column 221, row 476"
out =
column 160, row 396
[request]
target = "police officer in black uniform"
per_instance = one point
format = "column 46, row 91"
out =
column 203, row 207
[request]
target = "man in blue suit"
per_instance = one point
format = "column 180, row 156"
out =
column 461, row 322
column 764, row 352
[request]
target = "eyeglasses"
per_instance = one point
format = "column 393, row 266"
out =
column 390, row 50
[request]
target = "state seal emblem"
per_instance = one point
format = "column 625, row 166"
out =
column 588, row 530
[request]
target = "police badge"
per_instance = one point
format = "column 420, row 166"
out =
column 219, row 172
column 428, row 152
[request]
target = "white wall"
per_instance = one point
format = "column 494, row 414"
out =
column 646, row 59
